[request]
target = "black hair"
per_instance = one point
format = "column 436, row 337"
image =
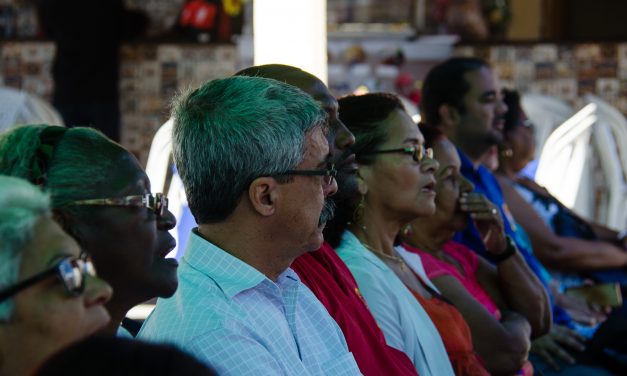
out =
column 514, row 109
column 431, row 133
column 103, row 356
column 446, row 84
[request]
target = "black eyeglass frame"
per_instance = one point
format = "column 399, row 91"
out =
column 157, row 203
column 426, row 152
column 66, row 267
column 328, row 173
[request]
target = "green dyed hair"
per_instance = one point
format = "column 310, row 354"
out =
column 230, row 131
column 74, row 169
column 21, row 205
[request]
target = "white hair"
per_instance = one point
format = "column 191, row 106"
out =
column 21, row 205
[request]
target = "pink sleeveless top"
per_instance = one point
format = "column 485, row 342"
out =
column 469, row 262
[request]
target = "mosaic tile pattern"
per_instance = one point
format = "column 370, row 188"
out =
column 564, row 71
column 150, row 74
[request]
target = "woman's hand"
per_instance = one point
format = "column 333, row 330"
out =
column 488, row 221
column 553, row 346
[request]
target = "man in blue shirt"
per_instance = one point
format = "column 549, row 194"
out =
column 462, row 97
column 255, row 163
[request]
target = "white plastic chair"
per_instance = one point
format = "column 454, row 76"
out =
column 19, row 107
column 610, row 137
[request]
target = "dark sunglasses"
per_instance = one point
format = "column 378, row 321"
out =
column 71, row 270
column 157, row 203
column 418, row 153
column 328, row 174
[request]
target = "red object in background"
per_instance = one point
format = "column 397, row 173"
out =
column 199, row 14
column 405, row 85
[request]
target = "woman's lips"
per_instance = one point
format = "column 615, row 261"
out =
column 348, row 164
column 428, row 188
column 170, row 246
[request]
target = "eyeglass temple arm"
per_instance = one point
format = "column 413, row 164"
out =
column 386, row 151
column 306, row 173
column 6, row 294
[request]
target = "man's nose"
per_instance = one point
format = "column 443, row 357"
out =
column 344, row 138
column 330, row 189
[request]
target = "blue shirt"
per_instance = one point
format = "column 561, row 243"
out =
column 405, row 324
column 486, row 184
column 235, row 319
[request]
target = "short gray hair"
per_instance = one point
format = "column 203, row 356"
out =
column 21, row 205
column 230, row 131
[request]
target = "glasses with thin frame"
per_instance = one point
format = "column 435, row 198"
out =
column 418, row 153
column 72, row 271
column 157, row 203
column 328, row 174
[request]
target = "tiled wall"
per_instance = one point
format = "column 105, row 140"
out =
column 564, row 71
column 150, row 75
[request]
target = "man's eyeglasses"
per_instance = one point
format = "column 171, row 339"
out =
column 157, row 203
column 418, row 153
column 72, row 271
column 328, row 174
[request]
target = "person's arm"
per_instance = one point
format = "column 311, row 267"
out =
column 602, row 232
column 559, row 252
column 513, row 283
column 503, row 345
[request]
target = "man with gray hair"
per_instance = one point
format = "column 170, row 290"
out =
column 254, row 161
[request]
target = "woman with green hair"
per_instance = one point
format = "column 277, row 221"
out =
column 50, row 296
column 101, row 197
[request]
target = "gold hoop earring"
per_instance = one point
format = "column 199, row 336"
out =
column 358, row 213
column 507, row 153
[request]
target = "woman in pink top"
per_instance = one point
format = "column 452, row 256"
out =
column 505, row 305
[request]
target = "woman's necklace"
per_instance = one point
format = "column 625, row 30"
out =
column 395, row 259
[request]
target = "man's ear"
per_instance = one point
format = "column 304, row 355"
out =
column 263, row 194
column 449, row 117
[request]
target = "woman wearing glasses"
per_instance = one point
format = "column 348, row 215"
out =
column 504, row 303
column 49, row 293
column 101, row 197
column 396, row 185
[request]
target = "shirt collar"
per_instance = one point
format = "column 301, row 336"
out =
column 231, row 274
column 351, row 246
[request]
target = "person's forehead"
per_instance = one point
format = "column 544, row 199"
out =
column 125, row 175
column 481, row 81
column 316, row 151
column 446, row 154
column 49, row 243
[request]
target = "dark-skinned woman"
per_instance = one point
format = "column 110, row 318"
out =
column 100, row 196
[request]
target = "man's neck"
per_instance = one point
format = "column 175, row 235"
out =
column 248, row 246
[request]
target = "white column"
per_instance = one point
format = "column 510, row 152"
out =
column 292, row 32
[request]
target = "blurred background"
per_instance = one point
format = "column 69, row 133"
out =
column 568, row 58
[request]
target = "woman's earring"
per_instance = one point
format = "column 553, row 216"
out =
column 507, row 153
column 406, row 230
column 358, row 214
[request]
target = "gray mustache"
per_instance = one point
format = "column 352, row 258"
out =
column 328, row 211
